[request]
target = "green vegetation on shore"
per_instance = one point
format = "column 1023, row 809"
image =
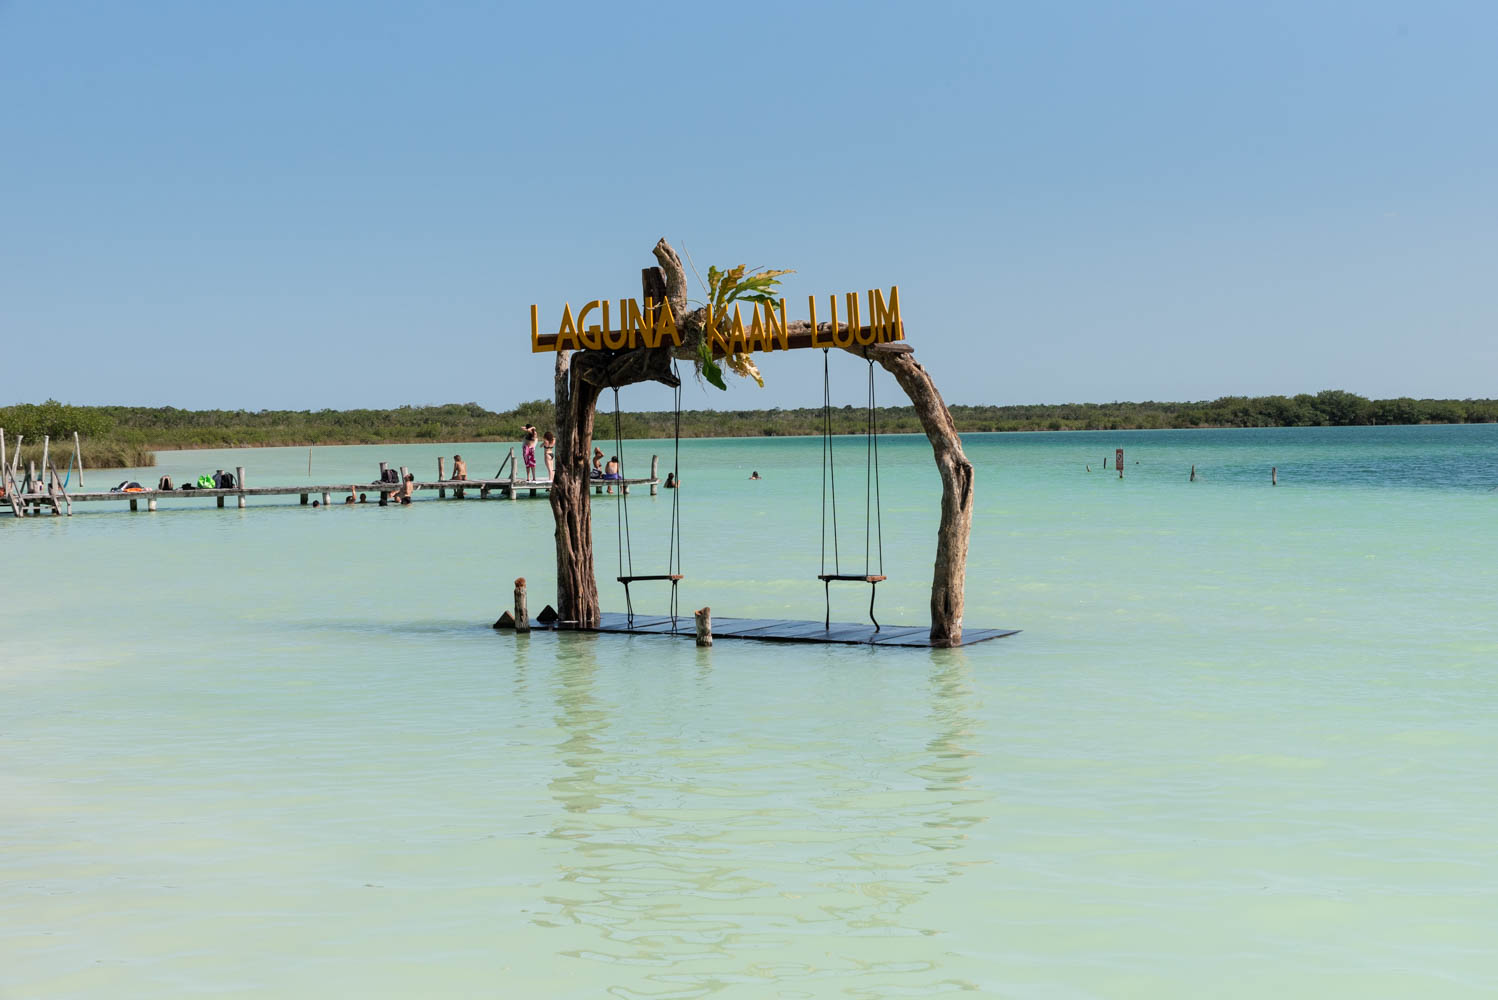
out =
column 125, row 436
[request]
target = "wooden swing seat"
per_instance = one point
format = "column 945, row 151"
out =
column 673, row 577
column 850, row 578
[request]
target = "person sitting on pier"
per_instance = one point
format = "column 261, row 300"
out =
column 407, row 489
column 611, row 471
column 460, row 467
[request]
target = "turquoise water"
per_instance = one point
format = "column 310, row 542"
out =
column 1243, row 745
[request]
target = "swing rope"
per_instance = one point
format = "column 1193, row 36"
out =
column 873, row 508
column 829, row 469
column 621, row 503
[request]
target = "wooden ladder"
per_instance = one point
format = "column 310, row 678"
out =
column 13, row 493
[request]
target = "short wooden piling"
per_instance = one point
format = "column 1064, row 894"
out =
column 77, row 451
column 1193, row 473
column 655, row 462
column 304, row 498
column 150, row 503
column 327, row 499
column 1274, row 475
column 441, row 490
column 522, row 616
column 239, row 478
column 704, row 619
column 132, row 504
column 220, row 502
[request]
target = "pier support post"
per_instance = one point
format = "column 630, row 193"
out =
column 704, row 626
column 441, row 490
column 220, row 502
column 655, row 464
column 150, row 503
column 522, row 616
column 304, row 497
column 327, row 499
column 132, row 504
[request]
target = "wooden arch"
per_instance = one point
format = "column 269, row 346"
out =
column 581, row 376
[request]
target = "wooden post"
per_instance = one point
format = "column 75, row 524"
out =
column 1118, row 461
column 1193, row 473
column 305, row 497
column 2, row 452
column 655, row 486
column 309, row 461
column 239, row 478
column 220, row 502
column 1274, row 475
column 704, row 626
column 522, row 617
column 403, row 477
column 949, row 577
column 441, row 490
column 384, row 468
column 150, row 503
column 78, row 451
column 327, row 499
column 132, row 504
column 46, row 443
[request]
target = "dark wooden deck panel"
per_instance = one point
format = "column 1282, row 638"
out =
column 785, row 630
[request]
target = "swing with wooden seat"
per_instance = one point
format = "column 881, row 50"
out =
column 626, row 550
column 873, row 518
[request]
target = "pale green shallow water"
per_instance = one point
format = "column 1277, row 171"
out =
column 1244, row 745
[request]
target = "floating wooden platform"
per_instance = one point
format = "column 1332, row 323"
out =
column 785, row 630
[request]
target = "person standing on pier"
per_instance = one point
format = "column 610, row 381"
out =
column 528, row 450
column 548, row 445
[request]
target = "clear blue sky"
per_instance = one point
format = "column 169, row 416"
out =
column 347, row 203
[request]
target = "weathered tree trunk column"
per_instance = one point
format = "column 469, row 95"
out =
column 950, row 574
column 577, row 587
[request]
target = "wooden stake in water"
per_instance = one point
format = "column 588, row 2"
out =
column 1274, row 475
column 78, row 451
column 1193, row 473
column 522, row 616
column 309, row 461
column 704, row 619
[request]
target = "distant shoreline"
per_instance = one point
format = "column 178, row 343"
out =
column 128, row 436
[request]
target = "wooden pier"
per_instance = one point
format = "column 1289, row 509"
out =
column 50, row 496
